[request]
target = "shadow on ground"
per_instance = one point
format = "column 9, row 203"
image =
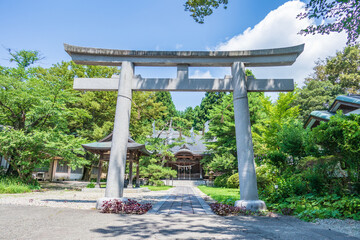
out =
column 30, row 222
column 214, row 227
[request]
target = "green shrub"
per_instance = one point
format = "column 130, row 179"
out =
column 14, row 185
column 91, row 184
column 233, row 181
column 266, row 175
column 221, row 181
column 282, row 188
column 310, row 207
column 278, row 159
column 156, row 182
column 320, row 174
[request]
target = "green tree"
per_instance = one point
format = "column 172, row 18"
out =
column 316, row 95
column 90, row 114
column 24, row 58
column 225, row 163
column 182, row 125
column 33, row 105
column 188, row 114
column 166, row 99
column 278, row 114
column 296, row 141
column 153, row 166
column 145, row 109
column 27, row 151
column 340, row 137
column 202, row 113
column 221, row 135
column 199, row 9
column 343, row 69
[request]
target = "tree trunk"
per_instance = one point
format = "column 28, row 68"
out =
column 87, row 173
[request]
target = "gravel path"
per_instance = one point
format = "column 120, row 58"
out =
column 73, row 199
column 347, row 226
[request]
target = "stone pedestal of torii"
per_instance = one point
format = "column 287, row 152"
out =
column 238, row 83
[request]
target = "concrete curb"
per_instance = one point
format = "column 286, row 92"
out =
column 204, row 205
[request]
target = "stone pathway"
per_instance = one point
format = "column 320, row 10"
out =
column 33, row 222
column 182, row 200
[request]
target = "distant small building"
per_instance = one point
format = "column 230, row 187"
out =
column 103, row 148
column 56, row 171
column 188, row 155
column 347, row 104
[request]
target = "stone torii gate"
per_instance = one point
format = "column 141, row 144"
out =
column 238, row 83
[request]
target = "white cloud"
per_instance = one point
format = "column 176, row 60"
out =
column 280, row 29
column 200, row 74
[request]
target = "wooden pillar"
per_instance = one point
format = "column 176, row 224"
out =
column 184, row 171
column 53, row 170
column 99, row 172
column 131, row 158
column 137, row 173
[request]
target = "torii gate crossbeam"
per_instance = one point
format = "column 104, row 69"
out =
column 238, row 83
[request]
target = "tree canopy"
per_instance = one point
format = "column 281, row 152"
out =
column 199, row 9
column 34, row 110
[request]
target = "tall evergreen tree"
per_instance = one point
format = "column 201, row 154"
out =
column 166, row 99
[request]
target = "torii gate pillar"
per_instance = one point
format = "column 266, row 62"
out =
column 245, row 154
column 117, row 162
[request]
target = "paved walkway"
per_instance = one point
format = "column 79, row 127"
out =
column 182, row 200
column 31, row 222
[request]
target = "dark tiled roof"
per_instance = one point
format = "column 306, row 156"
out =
column 194, row 143
column 353, row 99
column 350, row 100
column 105, row 145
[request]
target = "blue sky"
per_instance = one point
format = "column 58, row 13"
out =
column 160, row 25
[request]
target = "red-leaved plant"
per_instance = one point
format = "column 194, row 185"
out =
column 225, row 210
column 128, row 207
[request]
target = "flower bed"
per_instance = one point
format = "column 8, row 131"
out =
column 225, row 210
column 127, row 207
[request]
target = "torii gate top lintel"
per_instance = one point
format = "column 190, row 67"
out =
column 183, row 60
column 250, row 58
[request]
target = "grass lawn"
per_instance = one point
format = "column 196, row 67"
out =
column 223, row 195
column 157, row 188
column 13, row 185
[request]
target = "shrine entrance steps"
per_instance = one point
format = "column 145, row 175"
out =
column 182, row 200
